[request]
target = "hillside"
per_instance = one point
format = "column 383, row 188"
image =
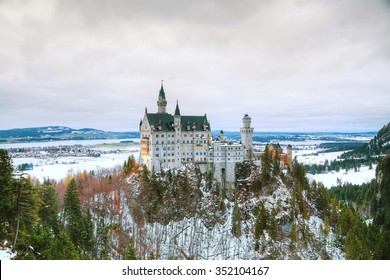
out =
column 191, row 219
column 379, row 145
column 53, row 133
column 371, row 201
column 133, row 213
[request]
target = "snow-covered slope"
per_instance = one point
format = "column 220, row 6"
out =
column 205, row 230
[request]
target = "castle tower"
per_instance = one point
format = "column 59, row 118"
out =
column 162, row 101
column 221, row 136
column 246, row 137
column 176, row 118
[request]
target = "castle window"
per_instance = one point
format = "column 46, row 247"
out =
column 157, row 155
column 157, row 135
column 173, row 160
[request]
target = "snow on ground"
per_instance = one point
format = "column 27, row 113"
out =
column 330, row 179
column 6, row 254
column 364, row 175
column 315, row 156
column 61, row 167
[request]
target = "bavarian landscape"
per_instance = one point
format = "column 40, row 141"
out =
column 268, row 140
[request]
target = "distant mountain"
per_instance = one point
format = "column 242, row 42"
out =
column 53, row 133
column 379, row 145
column 348, row 138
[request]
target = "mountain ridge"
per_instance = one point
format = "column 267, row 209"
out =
column 378, row 146
column 53, row 133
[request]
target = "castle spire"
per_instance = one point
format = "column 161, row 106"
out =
column 177, row 110
column 162, row 101
column 161, row 95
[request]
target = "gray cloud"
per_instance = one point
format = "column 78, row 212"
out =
column 292, row 65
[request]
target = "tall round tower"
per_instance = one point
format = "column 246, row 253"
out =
column 246, row 137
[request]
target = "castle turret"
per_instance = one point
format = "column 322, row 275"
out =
column 221, row 136
column 177, row 116
column 162, row 101
column 177, row 127
column 246, row 137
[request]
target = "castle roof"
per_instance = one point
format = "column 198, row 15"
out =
column 164, row 122
column 177, row 110
column 161, row 95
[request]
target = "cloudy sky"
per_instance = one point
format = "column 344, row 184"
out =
column 292, row 65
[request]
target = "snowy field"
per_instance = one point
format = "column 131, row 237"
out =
column 59, row 168
column 315, row 156
column 330, row 179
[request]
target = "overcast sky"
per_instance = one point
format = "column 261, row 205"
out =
column 292, row 65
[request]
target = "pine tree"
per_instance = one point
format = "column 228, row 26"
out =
column 6, row 195
column 236, row 221
column 261, row 222
column 72, row 213
column 273, row 227
column 48, row 212
column 87, row 235
column 130, row 253
column 276, row 166
column 26, row 208
column 266, row 160
column 41, row 244
column 293, row 233
column 66, row 250
column 258, row 231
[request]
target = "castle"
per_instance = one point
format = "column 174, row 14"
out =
column 171, row 141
